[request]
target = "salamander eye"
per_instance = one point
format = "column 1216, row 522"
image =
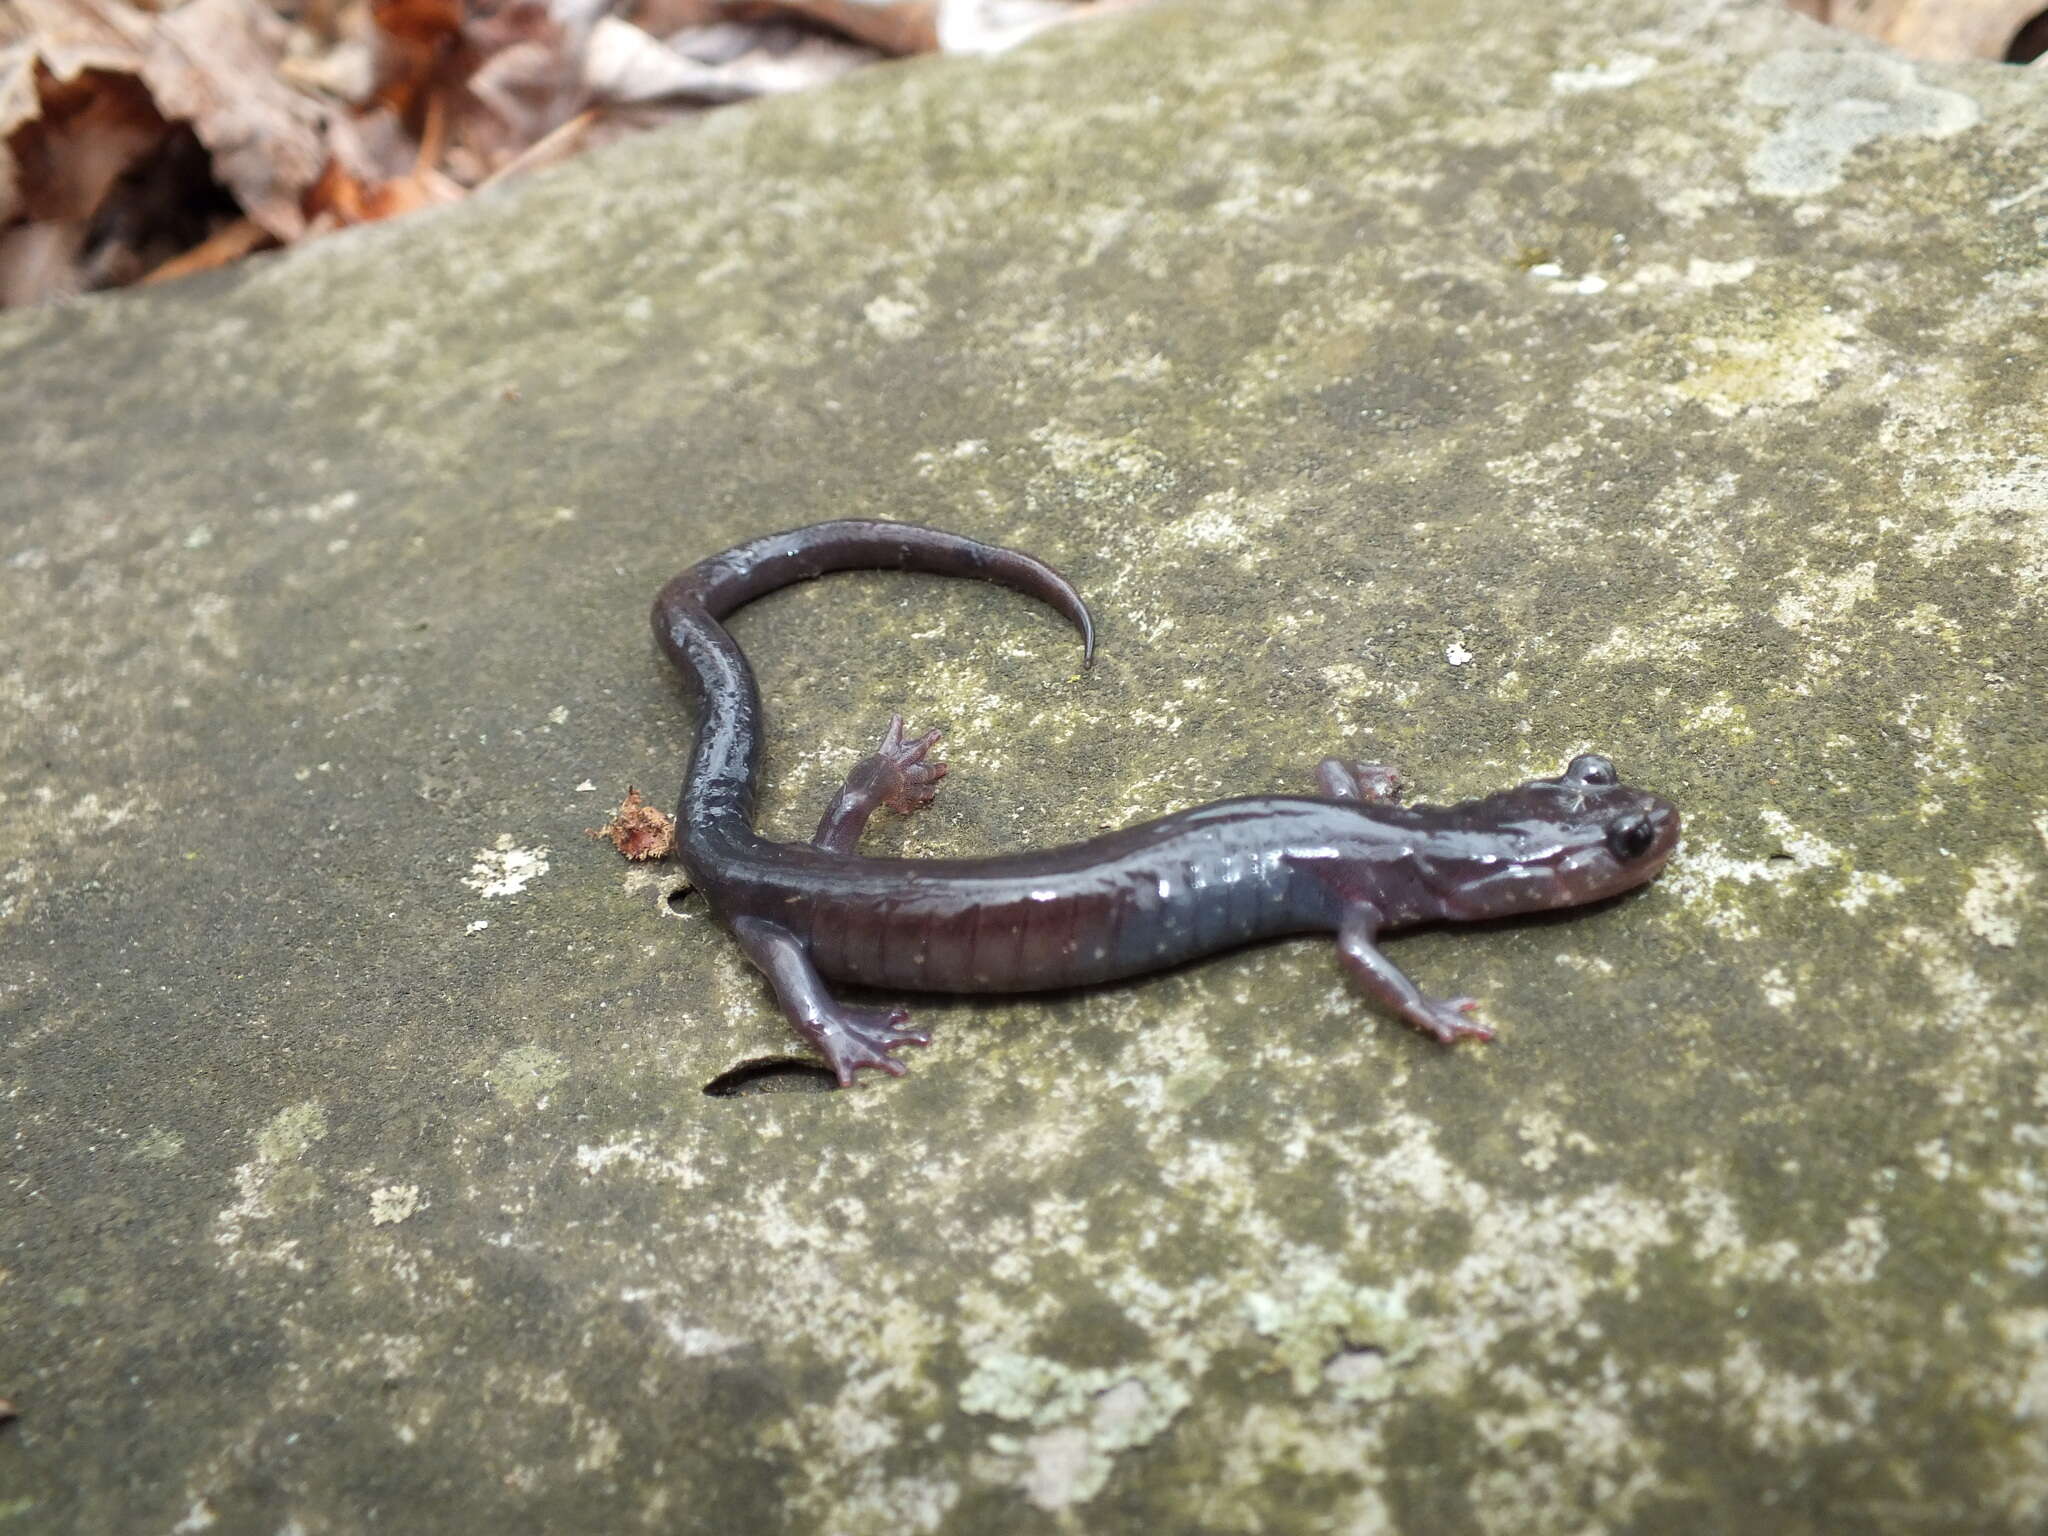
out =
column 1630, row 838
column 1592, row 768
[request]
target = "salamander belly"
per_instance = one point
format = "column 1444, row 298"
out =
column 1068, row 932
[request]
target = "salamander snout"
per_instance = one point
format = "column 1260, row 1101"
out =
column 1640, row 840
column 1607, row 837
column 1636, row 833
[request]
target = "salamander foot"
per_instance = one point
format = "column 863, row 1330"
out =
column 906, row 778
column 1441, row 1019
column 1360, row 783
column 851, row 1038
column 1444, row 1019
column 896, row 774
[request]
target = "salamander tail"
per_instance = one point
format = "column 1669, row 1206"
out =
column 719, row 786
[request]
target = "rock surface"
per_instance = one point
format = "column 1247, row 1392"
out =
column 1458, row 386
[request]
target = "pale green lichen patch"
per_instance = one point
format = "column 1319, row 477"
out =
column 505, row 869
column 2001, row 898
column 1789, row 362
column 1078, row 1420
column 291, row 1132
column 526, row 1074
column 1836, row 103
column 272, row 1184
column 1355, row 1337
column 393, row 1203
column 157, row 1144
column 1666, row 385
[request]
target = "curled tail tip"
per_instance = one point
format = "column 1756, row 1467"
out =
column 1074, row 610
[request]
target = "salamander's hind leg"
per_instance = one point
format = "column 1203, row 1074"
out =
column 1360, row 783
column 1442, row 1019
column 848, row 1037
column 897, row 774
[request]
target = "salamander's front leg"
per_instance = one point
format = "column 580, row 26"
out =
column 1444, row 1020
column 895, row 774
column 1360, row 783
column 848, row 1037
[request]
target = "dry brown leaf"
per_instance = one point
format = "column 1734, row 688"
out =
column 664, row 18
column 320, row 24
column 347, row 71
column 422, row 188
column 372, row 146
column 413, row 45
column 155, row 139
column 428, row 23
column 506, row 75
column 38, row 262
column 990, row 26
column 84, row 133
column 52, row 43
column 71, row 36
column 376, row 173
column 213, row 63
column 624, row 66
column 64, row 164
column 91, row 104
column 1931, row 29
column 19, row 103
column 894, row 26
column 529, row 83
column 923, row 26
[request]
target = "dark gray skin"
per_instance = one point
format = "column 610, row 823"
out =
column 1348, row 861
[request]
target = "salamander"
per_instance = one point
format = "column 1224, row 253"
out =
column 1348, row 861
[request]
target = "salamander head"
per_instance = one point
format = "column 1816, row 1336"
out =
column 1582, row 836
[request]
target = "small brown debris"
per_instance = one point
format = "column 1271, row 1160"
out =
column 638, row 831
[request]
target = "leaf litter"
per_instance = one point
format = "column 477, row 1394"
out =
column 140, row 142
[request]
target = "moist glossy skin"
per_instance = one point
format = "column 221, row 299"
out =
column 1347, row 861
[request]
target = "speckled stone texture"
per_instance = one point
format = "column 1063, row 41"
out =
column 1462, row 386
